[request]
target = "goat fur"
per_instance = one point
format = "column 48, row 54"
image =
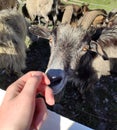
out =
column 41, row 8
column 108, row 43
column 7, row 4
column 73, row 58
column 13, row 32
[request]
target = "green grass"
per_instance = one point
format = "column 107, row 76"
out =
column 108, row 5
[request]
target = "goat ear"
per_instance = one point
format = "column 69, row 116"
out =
column 39, row 31
column 95, row 47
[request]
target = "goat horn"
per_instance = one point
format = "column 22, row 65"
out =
column 67, row 14
column 89, row 17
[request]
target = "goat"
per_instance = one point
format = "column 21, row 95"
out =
column 73, row 14
column 67, row 14
column 70, row 13
column 111, row 18
column 76, row 57
column 6, row 4
column 13, row 31
column 98, row 20
column 42, row 8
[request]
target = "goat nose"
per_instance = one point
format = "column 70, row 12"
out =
column 55, row 80
column 58, row 80
column 55, row 76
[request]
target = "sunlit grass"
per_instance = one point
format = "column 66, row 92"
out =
column 108, row 5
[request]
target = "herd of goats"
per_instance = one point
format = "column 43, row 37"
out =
column 83, row 42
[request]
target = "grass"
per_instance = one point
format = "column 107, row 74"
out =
column 108, row 5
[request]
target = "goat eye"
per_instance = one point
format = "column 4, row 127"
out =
column 50, row 40
column 84, row 49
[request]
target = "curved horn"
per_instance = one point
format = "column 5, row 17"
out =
column 89, row 17
column 67, row 14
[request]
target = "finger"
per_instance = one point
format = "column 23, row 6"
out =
column 31, row 86
column 40, row 114
column 15, row 88
column 47, row 92
column 34, row 73
column 49, row 96
column 37, row 84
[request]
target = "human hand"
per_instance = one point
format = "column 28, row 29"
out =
column 20, row 109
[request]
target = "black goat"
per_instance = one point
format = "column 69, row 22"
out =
column 76, row 57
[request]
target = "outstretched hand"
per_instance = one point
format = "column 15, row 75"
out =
column 20, row 109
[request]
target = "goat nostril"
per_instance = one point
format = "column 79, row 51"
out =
column 55, row 80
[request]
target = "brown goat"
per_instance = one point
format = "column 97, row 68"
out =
column 42, row 8
column 7, row 4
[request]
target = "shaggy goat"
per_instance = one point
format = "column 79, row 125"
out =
column 73, row 14
column 111, row 18
column 42, row 8
column 70, row 13
column 76, row 57
column 13, row 32
column 7, row 4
